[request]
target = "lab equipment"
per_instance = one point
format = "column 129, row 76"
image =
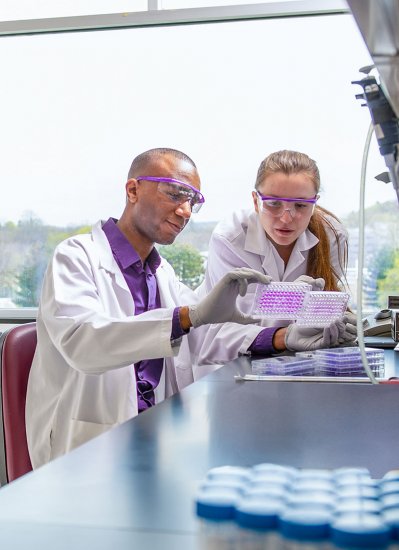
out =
column 297, row 302
column 376, row 21
column 320, row 308
column 347, row 361
column 284, row 365
column 393, row 304
column 344, row 506
column 385, row 124
column 378, row 324
column 342, row 361
column 280, row 300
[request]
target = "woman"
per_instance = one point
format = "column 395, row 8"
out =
column 287, row 236
column 303, row 237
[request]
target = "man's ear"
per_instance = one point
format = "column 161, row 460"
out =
column 131, row 190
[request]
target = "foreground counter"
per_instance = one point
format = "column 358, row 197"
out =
column 135, row 485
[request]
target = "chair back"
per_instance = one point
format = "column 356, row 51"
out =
column 18, row 346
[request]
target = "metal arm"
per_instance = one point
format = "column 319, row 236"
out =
column 385, row 123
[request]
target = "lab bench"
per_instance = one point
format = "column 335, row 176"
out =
column 135, row 485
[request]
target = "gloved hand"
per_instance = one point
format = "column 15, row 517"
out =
column 219, row 306
column 350, row 333
column 316, row 284
column 305, row 338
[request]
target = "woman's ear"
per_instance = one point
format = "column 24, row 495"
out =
column 256, row 203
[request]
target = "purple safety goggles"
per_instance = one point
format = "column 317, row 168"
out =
column 177, row 191
column 276, row 206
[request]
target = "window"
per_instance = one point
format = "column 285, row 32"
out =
column 77, row 107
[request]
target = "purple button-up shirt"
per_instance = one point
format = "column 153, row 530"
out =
column 263, row 343
column 140, row 279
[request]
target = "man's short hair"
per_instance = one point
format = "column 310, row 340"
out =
column 142, row 160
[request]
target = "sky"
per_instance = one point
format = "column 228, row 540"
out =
column 76, row 108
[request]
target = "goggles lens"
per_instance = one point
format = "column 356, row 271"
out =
column 177, row 192
column 276, row 206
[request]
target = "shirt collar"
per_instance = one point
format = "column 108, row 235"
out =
column 124, row 252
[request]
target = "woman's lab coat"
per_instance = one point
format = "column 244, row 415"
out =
column 82, row 380
column 240, row 241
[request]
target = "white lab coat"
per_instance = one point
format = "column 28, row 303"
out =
column 82, row 380
column 240, row 241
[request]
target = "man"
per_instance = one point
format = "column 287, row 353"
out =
column 113, row 314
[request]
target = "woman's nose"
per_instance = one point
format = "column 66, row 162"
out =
column 287, row 214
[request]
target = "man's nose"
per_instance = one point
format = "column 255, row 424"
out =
column 184, row 209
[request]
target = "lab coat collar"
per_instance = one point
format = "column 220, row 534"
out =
column 124, row 252
column 256, row 242
column 304, row 243
column 255, row 238
column 106, row 258
column 107, row 262
column 168, row 298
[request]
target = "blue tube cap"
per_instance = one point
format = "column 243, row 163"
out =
column 360, row 530
column 305, row 524
column 259, row 513
column 391, row 517
column 217, row 504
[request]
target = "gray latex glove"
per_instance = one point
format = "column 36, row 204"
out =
column 350, row 332
column 304, row 338
column 316, row 284
column 219, row 306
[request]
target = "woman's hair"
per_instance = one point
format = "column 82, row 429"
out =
column 319, row 259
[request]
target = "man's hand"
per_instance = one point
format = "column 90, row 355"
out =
column 219, row 306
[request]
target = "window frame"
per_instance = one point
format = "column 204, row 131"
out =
column 161, row 17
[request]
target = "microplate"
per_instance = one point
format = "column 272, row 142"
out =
column 347, row 361
column 283, row 365
column 321, row 308
column 297, row 302
column 280, row 300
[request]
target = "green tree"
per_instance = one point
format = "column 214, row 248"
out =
column 28, row 291
column 389, row 284
column 26, row 248
column 31, row 270
column 383, row 261
column 379, row 266
column 57, row 234
column 186, row 261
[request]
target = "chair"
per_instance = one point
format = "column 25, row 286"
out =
column 17, row 347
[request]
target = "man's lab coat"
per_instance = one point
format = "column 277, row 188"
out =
column 82, row 380
column 240, row 241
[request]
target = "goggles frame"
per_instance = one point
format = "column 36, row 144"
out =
column 195, row 197
column 281, row 210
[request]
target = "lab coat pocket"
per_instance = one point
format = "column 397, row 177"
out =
column 81, row 431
